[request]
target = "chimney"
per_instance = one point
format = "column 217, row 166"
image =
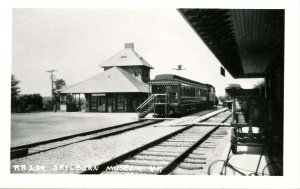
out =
column 129, row 46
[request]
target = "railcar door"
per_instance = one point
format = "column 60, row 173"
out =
column 172, row 91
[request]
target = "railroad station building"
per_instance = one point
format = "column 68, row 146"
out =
column 120, row 88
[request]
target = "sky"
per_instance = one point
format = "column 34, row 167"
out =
column 76, row 41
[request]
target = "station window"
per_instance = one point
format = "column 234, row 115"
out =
column 94, row 99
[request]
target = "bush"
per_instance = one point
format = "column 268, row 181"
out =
column 31, row 102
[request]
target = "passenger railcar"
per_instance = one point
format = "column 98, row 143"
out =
column 172, row 94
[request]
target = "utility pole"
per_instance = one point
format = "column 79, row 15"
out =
column 52, row 80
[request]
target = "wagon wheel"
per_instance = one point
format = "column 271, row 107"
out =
column 219, row 167
column 234, row 149
column 216, row 167
column 233, row 142
column 275, row 168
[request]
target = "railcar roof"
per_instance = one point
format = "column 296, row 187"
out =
column 172, row 77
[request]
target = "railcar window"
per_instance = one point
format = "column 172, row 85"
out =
column 158, row 89
column 172, row 88
column 184, row 91
column 192, row 91
column 202, row 92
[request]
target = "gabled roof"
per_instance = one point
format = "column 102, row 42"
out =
column 114, row 80
column 126, row 57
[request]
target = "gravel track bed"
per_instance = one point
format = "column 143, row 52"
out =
column 198, row 161
column 172, row 154
column 77, row 157
column 80, row 138
column 153, row 158
column 220, row 117
column 188, row 119
column 145, row 163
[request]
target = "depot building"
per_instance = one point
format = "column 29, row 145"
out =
column 122, row 87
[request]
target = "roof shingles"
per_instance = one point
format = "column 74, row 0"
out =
column 114, row 80
column 126, row 57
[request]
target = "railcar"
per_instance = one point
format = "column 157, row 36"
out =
column 172, row 94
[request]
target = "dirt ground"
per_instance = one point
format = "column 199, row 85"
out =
column 33, row 127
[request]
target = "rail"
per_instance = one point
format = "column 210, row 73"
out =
column 127, row 159
column 29, row 149
column 102, row 167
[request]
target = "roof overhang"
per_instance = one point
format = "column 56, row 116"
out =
column 247, row 42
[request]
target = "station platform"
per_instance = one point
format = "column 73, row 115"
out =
column 248, row 162
column 189, row 119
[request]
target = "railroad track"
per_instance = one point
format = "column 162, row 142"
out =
column 38, row 147
column 185, row 149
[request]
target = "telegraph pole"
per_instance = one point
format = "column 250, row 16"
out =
column 52, row 79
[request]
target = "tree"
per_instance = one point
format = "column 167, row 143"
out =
column 30, row 102
column 222, row 99
column 15, row 90
column 59, row 84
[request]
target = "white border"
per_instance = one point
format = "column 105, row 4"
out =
column 291, row 113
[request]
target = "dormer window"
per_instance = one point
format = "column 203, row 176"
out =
column 123, row 56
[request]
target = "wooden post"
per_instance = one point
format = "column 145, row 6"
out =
column 154, row 102
column 166, row 105
column 79, row 104
column 179, row 93
column 125, row 96
column 114, row 108
column 233, row 110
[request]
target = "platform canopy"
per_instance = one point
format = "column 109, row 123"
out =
column 114, row 80
column 247, row 42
